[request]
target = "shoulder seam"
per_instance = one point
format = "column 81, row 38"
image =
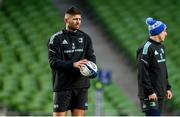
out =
column 52, row 37
column 145, row 48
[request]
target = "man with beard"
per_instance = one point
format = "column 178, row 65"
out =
column 68, row 50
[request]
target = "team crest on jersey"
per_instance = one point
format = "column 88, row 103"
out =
column 73, row 46
column 80, row 40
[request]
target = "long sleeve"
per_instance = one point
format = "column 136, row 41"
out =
column 144, row 56
column 168, row 84
column 90, row 51
column 55, row 56
column 144, row 74
column 168, row 87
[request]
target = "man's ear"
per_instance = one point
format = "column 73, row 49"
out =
column 65, row 20
column 66, row 17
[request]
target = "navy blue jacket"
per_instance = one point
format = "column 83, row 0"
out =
column 65, row 48
column 152, row 70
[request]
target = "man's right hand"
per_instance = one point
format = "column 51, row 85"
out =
column 80, row 63
column 153, row 97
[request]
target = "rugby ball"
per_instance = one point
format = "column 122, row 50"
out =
column 89, row 69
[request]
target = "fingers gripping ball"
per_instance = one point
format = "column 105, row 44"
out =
column 89, row 70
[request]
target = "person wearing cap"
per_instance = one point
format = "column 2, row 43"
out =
column 153, row 85
column 68, row 50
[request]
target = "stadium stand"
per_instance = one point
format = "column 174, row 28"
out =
column 26, row 26
column 25, row 76
column 125, row 23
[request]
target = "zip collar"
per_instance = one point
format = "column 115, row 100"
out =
column 76, row 33
column 155, row 42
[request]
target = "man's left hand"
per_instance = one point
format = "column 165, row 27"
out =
column 169, row 94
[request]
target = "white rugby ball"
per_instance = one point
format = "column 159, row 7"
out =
column 89, row 69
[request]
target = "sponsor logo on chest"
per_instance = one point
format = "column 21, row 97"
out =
column 159, row 55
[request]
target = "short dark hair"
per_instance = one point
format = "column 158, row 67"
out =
column 73, row 11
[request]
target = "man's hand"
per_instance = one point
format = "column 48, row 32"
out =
column 153, row 97
column 80, row 63
column 169, row 94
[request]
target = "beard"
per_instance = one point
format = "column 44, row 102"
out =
column 74, row 28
